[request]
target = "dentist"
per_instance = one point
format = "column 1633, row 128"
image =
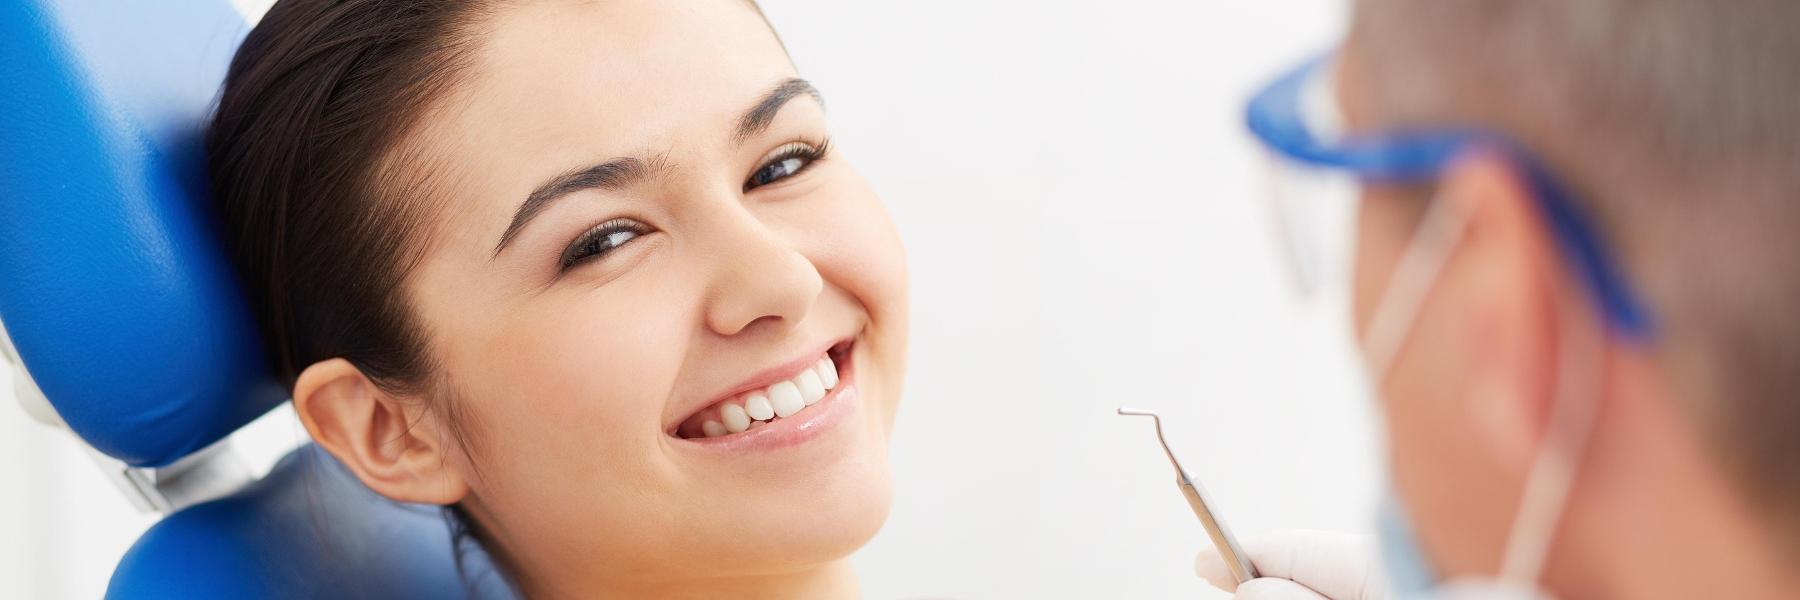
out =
column 1576, row 286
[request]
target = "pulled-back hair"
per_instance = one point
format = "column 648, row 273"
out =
column 323, row 211
column 321, row 221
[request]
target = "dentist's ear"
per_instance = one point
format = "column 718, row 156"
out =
column 1514, row 286
column 395, row 446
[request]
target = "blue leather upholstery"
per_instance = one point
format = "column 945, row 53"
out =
column 127, row 315
column 307, row 530
column 112, row 285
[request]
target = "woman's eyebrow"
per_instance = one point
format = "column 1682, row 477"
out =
column 623, row 172
column 758, row 118
column 610, row 175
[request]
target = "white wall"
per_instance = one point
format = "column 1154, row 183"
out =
column 1085, row 223
column 1083, row 214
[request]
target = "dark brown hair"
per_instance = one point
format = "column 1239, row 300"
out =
column 321, row 220
column 316, row 99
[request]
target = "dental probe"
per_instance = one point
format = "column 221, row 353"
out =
column 1215, row 529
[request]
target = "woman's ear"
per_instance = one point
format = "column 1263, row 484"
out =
column 393, row 445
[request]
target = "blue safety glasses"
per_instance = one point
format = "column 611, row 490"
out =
column 1295, row 119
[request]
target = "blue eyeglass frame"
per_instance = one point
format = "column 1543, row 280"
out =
column 1275, row 116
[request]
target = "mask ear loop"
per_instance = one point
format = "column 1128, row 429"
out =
column 1397, row 311
column 1552, row 475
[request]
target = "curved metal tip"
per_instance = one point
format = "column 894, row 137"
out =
column 1180, row 474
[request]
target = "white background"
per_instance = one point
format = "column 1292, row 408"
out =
column 1086, row 227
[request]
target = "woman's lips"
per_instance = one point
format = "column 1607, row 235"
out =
column 837, row 407
column 783, row 400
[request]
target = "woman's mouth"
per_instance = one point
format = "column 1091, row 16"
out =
column 785, row 399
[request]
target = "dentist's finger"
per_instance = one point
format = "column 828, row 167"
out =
column 1336, row 565
column 1275, row 588
column 1210, row 566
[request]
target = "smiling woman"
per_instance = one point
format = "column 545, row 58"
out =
column 589, row 274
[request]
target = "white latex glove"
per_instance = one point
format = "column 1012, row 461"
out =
column 1301, row 565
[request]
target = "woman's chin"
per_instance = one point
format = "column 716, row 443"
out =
column 812, row 516
column 802, row 527
column 838, row 525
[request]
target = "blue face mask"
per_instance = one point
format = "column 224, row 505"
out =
column 1409, row 573
column 1552, row 474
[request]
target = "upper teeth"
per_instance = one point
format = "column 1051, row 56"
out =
column 780, row 400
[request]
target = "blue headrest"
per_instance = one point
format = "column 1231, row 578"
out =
column 113, row 286
column 122, row 306
column 307, row 530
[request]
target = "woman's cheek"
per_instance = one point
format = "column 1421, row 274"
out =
column 865, row 248
column 871, row 265
column 598, row 366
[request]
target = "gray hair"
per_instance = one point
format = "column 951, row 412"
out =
column 1677, row 124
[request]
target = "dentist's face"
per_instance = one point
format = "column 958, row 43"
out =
column 672, row 320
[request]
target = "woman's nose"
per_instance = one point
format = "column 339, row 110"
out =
column 760, row 276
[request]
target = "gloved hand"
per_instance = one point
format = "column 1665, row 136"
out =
column 1301, row 565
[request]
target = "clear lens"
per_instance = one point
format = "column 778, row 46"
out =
column 1314, row 207
column 1315, row 214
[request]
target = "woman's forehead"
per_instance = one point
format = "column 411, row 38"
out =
column 623, row 62
column 551, row 86
column 609, row 78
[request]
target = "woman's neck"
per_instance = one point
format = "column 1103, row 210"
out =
column 831, row 581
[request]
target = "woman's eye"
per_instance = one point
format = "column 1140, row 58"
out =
column 602, row 239
column 785, row 162
column 777, row 171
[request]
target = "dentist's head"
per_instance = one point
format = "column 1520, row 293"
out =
column 1635, row 441
column 590, row 273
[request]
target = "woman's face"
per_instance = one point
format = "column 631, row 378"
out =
column 641, row 235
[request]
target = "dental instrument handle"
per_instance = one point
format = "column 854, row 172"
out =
column 1227, row 544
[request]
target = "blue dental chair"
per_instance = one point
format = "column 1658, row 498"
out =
column 122, row 316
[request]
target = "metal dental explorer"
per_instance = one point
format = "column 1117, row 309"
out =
column 1221, row 536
